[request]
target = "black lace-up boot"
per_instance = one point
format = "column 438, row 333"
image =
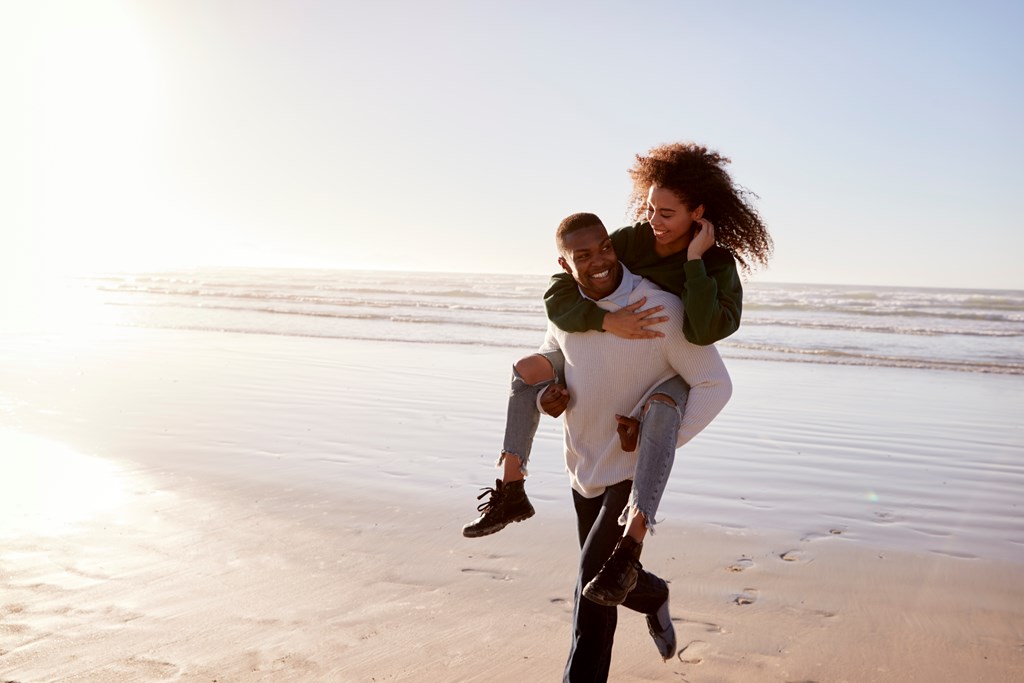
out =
column 618, row 575
column 507, row 503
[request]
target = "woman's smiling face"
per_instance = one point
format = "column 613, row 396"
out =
column 671, row 219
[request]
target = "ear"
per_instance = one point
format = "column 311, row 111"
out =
column 698, row 213
column 565, row 265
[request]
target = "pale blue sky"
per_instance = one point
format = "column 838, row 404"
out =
column 883, row 137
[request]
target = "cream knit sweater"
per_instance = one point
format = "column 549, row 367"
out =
column 607, row 375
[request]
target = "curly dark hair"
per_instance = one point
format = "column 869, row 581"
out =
column 698, row 176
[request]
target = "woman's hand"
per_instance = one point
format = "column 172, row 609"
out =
column 631, row 323
column 702, row 240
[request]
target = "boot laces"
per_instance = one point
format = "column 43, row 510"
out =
column 496, row 496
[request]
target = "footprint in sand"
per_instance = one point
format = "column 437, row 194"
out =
column 747, row 597
column 561, row 602
column 706, row 625
column 141, row 668
column 816, row 535
column 693, row 652
column 497, row 576
column 954, row 553
column 885, row 517
column 824, row 614
column 741, row 564
column 795, row 556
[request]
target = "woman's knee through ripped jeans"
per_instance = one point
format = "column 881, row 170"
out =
column 523, row 415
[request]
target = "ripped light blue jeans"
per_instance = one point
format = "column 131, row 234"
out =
column 659, row 427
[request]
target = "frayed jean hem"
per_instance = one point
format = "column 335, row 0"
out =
column 522, row 463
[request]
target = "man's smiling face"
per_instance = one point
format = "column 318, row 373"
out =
column 588, row 256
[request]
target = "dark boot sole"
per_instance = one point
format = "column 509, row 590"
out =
column 662, row 642
column 477, row 533
column 664, row 639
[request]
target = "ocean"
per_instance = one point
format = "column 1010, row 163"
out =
column 980, row 331
column 879, row 414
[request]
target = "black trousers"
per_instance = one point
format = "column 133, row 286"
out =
column 597, row 521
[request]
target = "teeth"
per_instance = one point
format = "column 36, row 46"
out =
column 603, row 273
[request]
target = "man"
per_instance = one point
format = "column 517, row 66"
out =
column 608, row 376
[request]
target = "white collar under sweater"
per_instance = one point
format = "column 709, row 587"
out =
column 607, row 375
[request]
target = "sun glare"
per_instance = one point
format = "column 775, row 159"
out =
column 95, row 103
column 49, row 487
column 67, row 311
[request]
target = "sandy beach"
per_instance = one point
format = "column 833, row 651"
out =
column 200, row 506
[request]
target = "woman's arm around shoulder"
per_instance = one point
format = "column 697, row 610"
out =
column 567, row 308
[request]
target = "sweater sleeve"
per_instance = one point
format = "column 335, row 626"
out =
column 710, row 386
column 713, row 298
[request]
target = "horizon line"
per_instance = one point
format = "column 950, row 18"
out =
column 100, row 273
